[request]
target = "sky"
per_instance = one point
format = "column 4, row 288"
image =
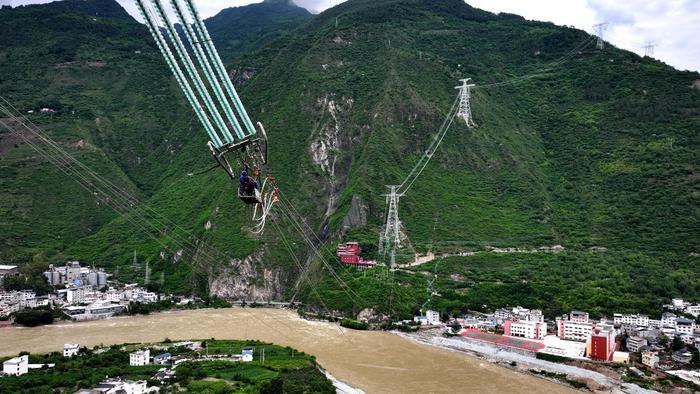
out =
column 672, row 25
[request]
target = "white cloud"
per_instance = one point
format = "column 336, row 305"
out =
column 674, row 25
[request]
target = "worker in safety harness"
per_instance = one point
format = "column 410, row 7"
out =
column 247, row 184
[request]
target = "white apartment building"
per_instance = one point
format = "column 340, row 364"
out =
column 76, row 295
column 668, row 320
column 685, row 326
column 578, row 317
column 693, row 309
column 502, row 314
column 633, row 320
column 525, row 329
column 113, row 295
column 133, row 293
column 634, row 343
column 140, row 358
column 433, row 317
column 71, row 349
column 16, row 366
column 575, row 327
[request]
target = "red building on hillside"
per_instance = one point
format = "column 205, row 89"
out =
column 349, row 254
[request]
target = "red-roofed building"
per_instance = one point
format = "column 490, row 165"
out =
column 349, row 254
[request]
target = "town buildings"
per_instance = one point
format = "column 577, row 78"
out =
column 14, row 301
column 678, row 304
column 525, row 323
column 140, row 358
column 85, row 295
column 119, row 386
column 431, row 318
column 71, row 349
column 73, row 273
column 632, row 320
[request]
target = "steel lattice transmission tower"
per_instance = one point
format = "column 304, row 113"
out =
column 599, row 30
column 649, row 48
column 392, row 233
column 465, row 108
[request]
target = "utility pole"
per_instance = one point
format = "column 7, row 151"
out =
column 649, row 48
column 465, row 109
column 599, row 29
column 390, row 238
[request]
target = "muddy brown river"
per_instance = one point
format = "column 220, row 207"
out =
column 376, row 362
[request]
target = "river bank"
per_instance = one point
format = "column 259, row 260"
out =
column 595, row 381
column 371, row 361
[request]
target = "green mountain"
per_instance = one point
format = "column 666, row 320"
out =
column 239, row 30
column 592, row 150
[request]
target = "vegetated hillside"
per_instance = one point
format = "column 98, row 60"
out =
column 117, row 110
column 596, row 151
column 239, row 30
column 96, row 8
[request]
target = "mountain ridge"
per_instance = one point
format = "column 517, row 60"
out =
column 597, row 153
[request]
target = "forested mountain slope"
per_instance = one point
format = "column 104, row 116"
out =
column 590, row 149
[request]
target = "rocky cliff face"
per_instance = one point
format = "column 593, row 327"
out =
column 357, row 215
column 329, row 149
column 247, row 279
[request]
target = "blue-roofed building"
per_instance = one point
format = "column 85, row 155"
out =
column 162, row 358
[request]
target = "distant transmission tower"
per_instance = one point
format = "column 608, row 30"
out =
column 465, row 108
column 599, row 30
column 147, row 276
column 390, row 238
column 649, row 48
